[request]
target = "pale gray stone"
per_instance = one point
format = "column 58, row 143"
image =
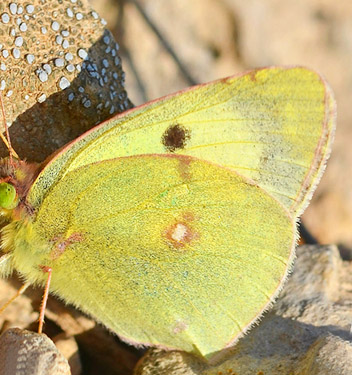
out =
column 28, row 353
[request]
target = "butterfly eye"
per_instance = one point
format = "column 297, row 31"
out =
column 8, row 196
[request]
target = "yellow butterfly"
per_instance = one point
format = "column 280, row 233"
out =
column 174, row 224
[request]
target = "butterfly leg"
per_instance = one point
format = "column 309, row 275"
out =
column 47, row 270
column 19, row 292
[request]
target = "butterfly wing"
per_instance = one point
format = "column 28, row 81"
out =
column 182, row 251
column 163, row 250
column 274, row 126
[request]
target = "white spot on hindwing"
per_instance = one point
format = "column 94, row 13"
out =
column 179, row 232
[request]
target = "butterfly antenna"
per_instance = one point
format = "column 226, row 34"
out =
column 7, row 140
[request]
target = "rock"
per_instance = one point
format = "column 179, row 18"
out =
column 306, row 333
column 68, row 347
column 29, row 353
column 61, row 74
column 328, row 355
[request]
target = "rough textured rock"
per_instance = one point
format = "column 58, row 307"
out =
column 29, row 353
column 61, row 73
column 306, row 333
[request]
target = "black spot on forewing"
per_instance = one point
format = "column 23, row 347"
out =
column 175, row 137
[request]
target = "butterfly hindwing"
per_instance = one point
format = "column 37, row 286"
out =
column 164, row 250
